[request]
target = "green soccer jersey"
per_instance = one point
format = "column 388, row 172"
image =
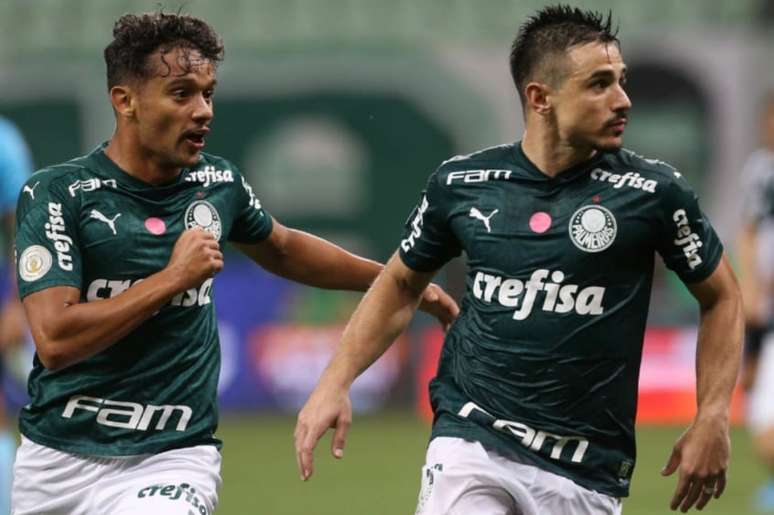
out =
column 543, row 362
column 89, row 225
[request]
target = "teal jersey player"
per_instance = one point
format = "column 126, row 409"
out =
column 535, row 396
column 89, row 225
column 543, row 361
column 116, row 255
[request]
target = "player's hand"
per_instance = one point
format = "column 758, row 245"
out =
column 325, row 408
column 439, row 304
column 701, row 455
column 195, row 258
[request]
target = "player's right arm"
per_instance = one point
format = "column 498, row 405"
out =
column 384, row 312
column 67, row 331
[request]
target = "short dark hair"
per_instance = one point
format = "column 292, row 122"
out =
column 550, row 33
column 135, row 37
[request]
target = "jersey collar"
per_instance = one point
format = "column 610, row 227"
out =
column 562, row 177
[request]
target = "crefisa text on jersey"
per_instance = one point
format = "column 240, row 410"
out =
column 559, row 298
column 108, row 289
column 209, row 175
column 688, row 240
column 630, row 179
column 55, row 231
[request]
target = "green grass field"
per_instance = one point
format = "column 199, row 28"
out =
column 380, row 472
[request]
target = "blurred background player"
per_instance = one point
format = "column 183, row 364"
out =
column 756, row 259
column 15, row 168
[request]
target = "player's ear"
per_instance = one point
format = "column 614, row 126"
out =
column 537, row 95
column 123, row 99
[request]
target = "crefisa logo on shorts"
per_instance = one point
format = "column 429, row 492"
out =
column 593, row 228
column 202, row 214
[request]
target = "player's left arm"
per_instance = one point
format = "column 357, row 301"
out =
column 308, row 259
column 702, row 453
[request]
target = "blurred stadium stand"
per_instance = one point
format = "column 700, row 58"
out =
column 337, row 111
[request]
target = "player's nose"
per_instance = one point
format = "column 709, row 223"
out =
column 203, row 111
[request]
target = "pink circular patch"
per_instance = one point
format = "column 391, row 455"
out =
column 540, row 222
column 155, row 226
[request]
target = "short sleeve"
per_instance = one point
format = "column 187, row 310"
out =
column 47, row 244
column 687, row 243
column 252, row 222
column 428, row 241
column 15, row 165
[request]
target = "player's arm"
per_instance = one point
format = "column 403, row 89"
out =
column 307, row 259
column 702, row 453
column 384, row 312
column 67, row 331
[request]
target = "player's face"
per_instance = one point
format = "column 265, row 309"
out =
column 174, row 107
column 591, row 106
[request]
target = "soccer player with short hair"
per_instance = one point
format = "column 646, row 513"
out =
column 116, row 254
column 535, row 396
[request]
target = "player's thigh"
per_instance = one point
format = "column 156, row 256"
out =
column 458, row 478
column 179, row 482
column 760, row 408
column 557, row 494
column 51, row 482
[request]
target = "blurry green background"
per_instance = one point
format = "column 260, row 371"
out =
column 337, row 111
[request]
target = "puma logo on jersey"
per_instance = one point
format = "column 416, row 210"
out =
column 128, row 415
column 530, row 438
column 688, row 240
column 31, row 190
column 478, row 215
column 111, row 222
column 559, row 298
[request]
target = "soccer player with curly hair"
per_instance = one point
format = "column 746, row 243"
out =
column 116, row 256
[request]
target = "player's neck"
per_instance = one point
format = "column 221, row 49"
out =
column 138, row 164
column 550, row 155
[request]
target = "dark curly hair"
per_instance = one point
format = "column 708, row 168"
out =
column 135, row 37
column 550, row 33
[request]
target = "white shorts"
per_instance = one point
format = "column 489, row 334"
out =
column 178, row 482
column 760, row 407
column 463, row 478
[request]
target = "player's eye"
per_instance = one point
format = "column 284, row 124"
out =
column 208, row 94
column 179, row 94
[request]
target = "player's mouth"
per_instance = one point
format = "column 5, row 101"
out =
column 618, row 125
column 195, row 137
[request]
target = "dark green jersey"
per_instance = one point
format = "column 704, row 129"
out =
column 89, row 225
column 543, row 362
